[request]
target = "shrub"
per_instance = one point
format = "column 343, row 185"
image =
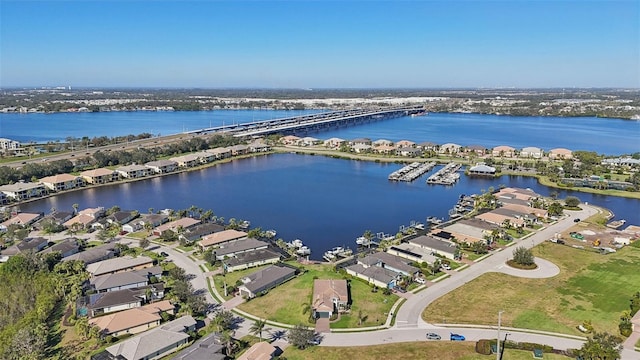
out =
column 483, row 346
column 523, row 256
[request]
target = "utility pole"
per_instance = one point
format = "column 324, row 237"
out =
column 505, row 341
column 498, row 355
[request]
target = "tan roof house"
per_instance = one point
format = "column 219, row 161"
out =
column 85, row 217
column 531, row 152
column 188, row 160
column 220, row 152
column 449, row 148
column 23, row 190
column 289, row 140
column 99, row 176
column 133, row 171
column 499, row 219
column 334, row 142
column 560, row 153
column 62, row 182
column 134, row 320
column 184, row 223
column 259, row 351
column 329, row 297
column 405, row 143
column 541, row 213
column 162, row 166
column 22, row 219
column 220, row 237
column 385, row 149
column 119, row 264
column 503, row 151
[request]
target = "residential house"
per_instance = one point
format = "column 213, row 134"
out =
column 522, row 195
column 107, row 302
column 176, row 226
column 22, row 219
column 132, row 321
column 133, row 171
column 162, row 166
column 405, row 144
column 56, row 218
column 221, row 237
column 408, row 151
column 560, row 153
column 257, row 147
column 8, row 144
column 85, row 218
column 234, row 248
column 378, row 276
column 259, row 351
column 66, row 247
column 334, row 142
column 99, row 176
column 204, row 157
column 3, row 198
column 449, row 149
column 531, row 152
column 476, row 149
column 23, row 190
column 481, row 169
column 62, row 182
column 412, row 253
column 436, row 246
column 308, row 141
column 428, row 146
column 289, row 140
column 220, row 152
column 186, row 161
column 209, row 347
column 361, row 148
column 239, row 150
column 266, row 279
column 499, row 219
column 156, row 343
column 250, row 259
column 152, row 220
column 194, row 233
column 122, row 217
column 391, row 262
column 540, row 213
column 25, row 246
column 94, row 254
column 621, row 161
column 329, row 297
column 385, row 149
column 503, row 151
column 120, row 264
column 118, row 281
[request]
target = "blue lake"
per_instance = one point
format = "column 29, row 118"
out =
column 323, row 201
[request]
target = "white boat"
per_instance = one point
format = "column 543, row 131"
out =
column 419, row 226
column 270, row 233
column 362, row 241
column 303, row 250
column 297, row 243
column 244, row 225
column 329, row 256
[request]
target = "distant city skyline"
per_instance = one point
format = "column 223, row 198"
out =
column 320, row 44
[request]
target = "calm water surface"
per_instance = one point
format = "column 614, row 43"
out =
column 323, row 201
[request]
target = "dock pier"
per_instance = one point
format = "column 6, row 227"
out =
column 411, row 171
column 448, row 175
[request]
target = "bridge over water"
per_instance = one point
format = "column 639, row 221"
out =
column 310, row 122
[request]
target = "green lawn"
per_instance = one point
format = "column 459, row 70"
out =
column 231, row 278
column 441, row 350
column 138, row 235
column 590, row 287
column 289, row 302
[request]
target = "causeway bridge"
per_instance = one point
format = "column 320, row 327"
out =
column 310, row 122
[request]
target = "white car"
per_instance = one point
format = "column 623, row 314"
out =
column 420, row 280
column 445, row 267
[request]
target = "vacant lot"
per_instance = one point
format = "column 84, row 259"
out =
column 290, row 302
column 590, row 286
column 401, row 351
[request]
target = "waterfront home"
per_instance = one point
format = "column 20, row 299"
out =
column 22, row 219
column 66, row 247
column 334, row 142
column 481, row 169
column 99, row 176
column 234, row 248
column 361, row 148
column 62, row 182
column 471, row 230
column 120, row 264
column 374, row 275
column 560, row 153
column 256, row 147
column 264, row 280
column 428, row 146
column 408, row 151
column 503, row 151
column 390, row 262
column 412, row 253
column 531, row 152
column 289, row 140
column 7, row 145
column 499, row 219
column 259, row 351
column 476, row 149
column 192, row 234
column 55, row 218
column 621, row 161
column 516, row 195
column 221, row 237
column 152, row 220
column 385, row 149
column 176, row 226
column 132, row 321
column 329, row 297
column 250, row 259
column 540, row 213
column 360, row 141
column 85, row 218
column 597, row 182
column 449, row 149
column 25, row 246
column 156, row 343
column 204, row 157
column 382, row 142
column 220, row 152
column 94, row 254
column 239, row 150
column 162, row 166
column 186, row 161
column 133, row 171
column 23, row 190
column 308, row 141
column 516, row 214
column 122, row 217
column 437, row 246
column 405, row 144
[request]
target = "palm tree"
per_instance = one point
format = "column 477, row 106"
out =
column 226, row 337
column 258, row 327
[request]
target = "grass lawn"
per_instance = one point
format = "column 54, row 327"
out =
column 138, row 234
column 231, row 278
column 471, row 255
column 590, row 286
column 186, row 248
column 444, row 350
column 288, row 302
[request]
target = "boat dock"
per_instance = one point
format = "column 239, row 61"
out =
column 411, row 171
column 448, row 175
column 616, row 224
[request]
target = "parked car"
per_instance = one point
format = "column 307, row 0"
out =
column 433, row 336
column 420, row 280
column 445, row 267
column 164, row 254
column 576, row 220
column 457, row 337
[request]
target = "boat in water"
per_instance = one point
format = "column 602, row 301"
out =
column 303, row 251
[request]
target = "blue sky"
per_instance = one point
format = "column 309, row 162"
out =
column 320, row 44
